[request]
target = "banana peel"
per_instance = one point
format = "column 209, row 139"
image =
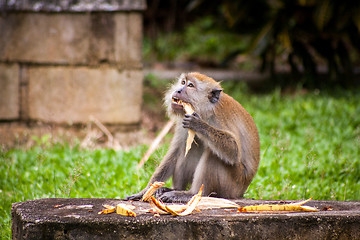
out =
column 154, row 186
column 197, row 202
column 276, row 208
column 177, row 210
column 125, row 210
column 122, row 209
column 212, row 202
column 191, row 205
column 108, row 209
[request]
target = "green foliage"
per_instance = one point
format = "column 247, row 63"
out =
column 310, row 146
column 201, row 41
column 305, row 34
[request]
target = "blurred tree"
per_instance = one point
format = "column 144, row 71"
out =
column 308, row 33
column 165, row 16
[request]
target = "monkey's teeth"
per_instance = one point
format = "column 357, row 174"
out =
column 177, row 101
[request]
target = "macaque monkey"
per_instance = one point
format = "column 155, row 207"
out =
column 225, row 154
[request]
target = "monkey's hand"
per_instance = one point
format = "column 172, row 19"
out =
column 221, row 142
column 192, row 121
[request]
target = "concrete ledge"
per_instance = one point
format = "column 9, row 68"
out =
column 78, row 219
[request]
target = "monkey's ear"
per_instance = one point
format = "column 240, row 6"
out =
column 214, row 95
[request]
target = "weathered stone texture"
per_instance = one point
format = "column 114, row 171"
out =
column 135, row 37
column 75, row 39
column 73, row 94
column 45, row 38
column 78, row 59
column 72, row 6
column 78, row 219
column 9, row 91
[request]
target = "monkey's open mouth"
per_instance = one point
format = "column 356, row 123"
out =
column 177, row 104
column 177, row 101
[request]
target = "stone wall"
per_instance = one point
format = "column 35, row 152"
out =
column 62, row 62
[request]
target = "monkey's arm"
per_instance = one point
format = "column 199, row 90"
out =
column 222, row 143
column 166, row 167
column 163, row 172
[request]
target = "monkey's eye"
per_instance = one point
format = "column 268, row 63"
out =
column 183, row 82
column 191, row 85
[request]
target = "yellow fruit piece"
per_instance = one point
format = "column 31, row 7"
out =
column 191, row 205
column 191, row 134
column 157, row 205
column 108, row 209
column 126, row 210
column 275, row 208
column 212, row 202
column 177, row 210
column 154, row 186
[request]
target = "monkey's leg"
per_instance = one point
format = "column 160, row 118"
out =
column 197, row 177
column 185, row 168
column 163, row 172
column 219, row 179
column 202, row 175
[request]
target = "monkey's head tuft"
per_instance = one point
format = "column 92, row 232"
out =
column 198, row 90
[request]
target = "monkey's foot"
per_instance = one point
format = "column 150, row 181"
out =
column 159, row 192
column 176, row 197
column 135, row 197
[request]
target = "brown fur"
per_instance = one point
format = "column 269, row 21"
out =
column 226, row 156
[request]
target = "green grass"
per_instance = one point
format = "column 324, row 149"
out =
column 58, row 170
column 310, row 146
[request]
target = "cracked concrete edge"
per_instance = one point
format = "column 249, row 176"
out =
column 78, row 219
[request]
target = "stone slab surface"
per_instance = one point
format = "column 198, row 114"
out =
column 72, row 39
column 9, row 91
column 78, row 219
column 74, row 94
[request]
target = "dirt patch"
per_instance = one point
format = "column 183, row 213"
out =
column 25, row 135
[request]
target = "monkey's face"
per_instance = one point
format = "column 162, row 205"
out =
column 195, row 89
column 182, row 92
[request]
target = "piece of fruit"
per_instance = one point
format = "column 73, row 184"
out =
column 125, row 209
column 276, row 208
column 191, row 134
column 154, row 186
